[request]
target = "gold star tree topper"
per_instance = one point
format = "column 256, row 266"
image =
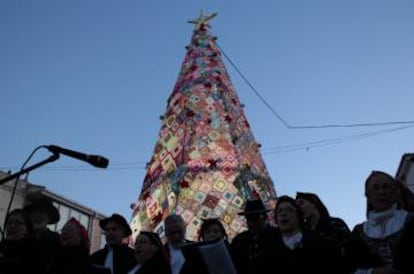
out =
column 202, row 20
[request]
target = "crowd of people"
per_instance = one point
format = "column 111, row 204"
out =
column 302, row 238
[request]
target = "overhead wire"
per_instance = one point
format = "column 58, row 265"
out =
column 330, row 141
column 288, row 125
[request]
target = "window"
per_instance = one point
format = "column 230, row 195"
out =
column 64, row 217
column 84, row 220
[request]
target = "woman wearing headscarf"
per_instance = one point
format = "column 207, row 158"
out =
column 298, row 250
column 384, row 243
column 318, row 219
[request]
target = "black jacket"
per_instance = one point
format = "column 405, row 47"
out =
column 158, row 264
column 252, row 253
column 124, row 259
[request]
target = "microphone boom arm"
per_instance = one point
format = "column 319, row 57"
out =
column 52, row 158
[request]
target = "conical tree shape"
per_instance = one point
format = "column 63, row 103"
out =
column 206, row 163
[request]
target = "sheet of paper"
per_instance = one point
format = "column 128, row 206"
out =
column 217, row 258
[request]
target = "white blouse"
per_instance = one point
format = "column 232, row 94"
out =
column 293, row 241
column 382, row 224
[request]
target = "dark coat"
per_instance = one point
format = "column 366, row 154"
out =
column 252, row 253
column 124, row 259
column 194, row 263
column 45, row 247
column 158, row 264
column 313, row 255
column 15, row 257
column 360, row 255
column 167, row 248
column 335, row 231
column 73, row 259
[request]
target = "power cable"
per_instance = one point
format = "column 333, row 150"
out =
column 289, row 126
column 327, row 142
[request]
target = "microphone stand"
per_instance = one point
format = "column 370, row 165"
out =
column 52, row 158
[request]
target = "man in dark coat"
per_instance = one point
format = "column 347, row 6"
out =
column 117, row 257
column 45, row 244
column 252, row 250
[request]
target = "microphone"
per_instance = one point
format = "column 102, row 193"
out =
column 95, row 160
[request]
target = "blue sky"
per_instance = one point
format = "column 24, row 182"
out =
column 94, row 76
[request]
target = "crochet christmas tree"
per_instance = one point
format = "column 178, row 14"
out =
column 206, row 162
